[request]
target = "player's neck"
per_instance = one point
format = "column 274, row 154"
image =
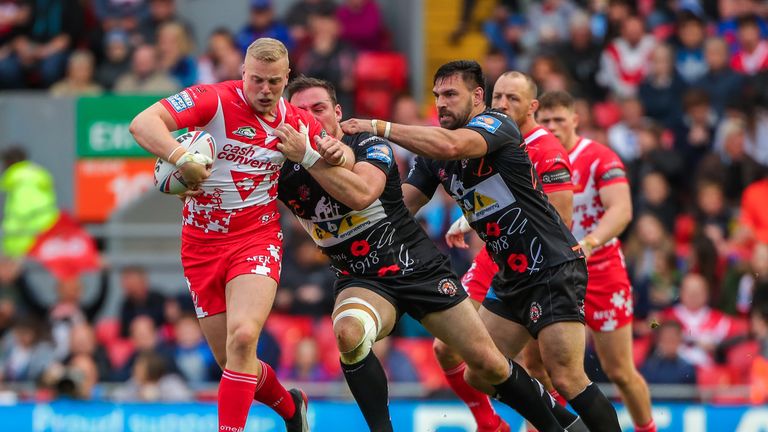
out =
column 571, row 143
column 529, row 125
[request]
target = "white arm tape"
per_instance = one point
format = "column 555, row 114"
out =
column 459, row 226
column 193, row 157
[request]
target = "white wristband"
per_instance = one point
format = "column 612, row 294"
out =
column 173, row 152
column 387, row 128
column 374, row 124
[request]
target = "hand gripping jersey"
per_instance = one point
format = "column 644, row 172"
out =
column 594, row 167
column 238, row 198
column 503, row 201
column 551, row 162
column 381, row 240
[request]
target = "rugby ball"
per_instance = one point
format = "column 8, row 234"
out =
column 167, row 177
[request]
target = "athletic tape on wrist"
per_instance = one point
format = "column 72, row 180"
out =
column 387, row 129
column 374, row 126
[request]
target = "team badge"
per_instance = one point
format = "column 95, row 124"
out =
column 535, row 312
column 245, row 131
column 488, row 123
column 447, row 287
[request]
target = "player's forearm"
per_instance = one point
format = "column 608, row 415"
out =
column 562, row 201
column 413, row 198
column 431, row 142
column 153, row 135
column 612, row 224
column 343, row 185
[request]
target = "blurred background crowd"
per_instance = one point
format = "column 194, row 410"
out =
column 679, row 89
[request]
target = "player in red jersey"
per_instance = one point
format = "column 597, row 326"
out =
column 231, row 239
column 514, row 93
column 602, row 208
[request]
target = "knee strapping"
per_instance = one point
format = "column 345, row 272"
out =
column 369, row 318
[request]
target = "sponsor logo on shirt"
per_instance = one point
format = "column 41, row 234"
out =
column 485, row 198
column 379, row 152
column 488, row 123
column 180, row 101
column 557, row 176
column 245, row 131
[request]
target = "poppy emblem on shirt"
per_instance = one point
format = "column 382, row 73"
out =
column 360, row 248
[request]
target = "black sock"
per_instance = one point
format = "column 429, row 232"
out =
column 564, row 417
column 368, row 384
column 596, row 410
column 524, row 395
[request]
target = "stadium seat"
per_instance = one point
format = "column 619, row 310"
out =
column 326, row 344
column 379, row 77
column 739, row 361
column 289, row 330
column 739, row 327
column 419, row 351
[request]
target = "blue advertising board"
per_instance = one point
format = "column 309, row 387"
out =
column 66, row 416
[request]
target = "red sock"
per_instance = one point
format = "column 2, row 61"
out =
column 234, row 400
column 650, row 427
column 272, row 394
column 558, row 397
column 477, row 401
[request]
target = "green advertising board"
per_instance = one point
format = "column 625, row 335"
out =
column 102, row 126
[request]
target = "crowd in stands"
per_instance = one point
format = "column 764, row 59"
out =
column 678, row 89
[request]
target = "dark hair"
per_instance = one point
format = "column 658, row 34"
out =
column 555, row 99
column 471, row 72
column 695, row 97
column 747, row 20
column 12, row 155
column 302, row 82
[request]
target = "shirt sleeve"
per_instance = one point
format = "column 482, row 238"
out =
column 497, row 129
column 610, row 170
column 423, row 176
column 555, row 172
column 192, row 107
column 376, row 151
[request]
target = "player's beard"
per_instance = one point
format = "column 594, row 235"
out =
column 454, row 120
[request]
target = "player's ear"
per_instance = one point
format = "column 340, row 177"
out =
column 478, row 96
column 534, row 106
column 575, row 119
column 337, row 110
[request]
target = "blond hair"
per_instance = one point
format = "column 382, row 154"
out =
column 267, row 50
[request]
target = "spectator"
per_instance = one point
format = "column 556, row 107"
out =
column 79, row 78
column 652, row 156
column 119, row 14
column 623, row 63
column 720, row 82
column 82, row 342
column 330, row 59
column 362, row 25
column 703, row 327
column 656, row 199
column 138, row 299
column 405, row 110
column 12, row 281
column 117, row 59
column 751, row 56
column 754, row 218
column 175, row 48
column 395, row 362
column 309, row 289
column 648, row 242
column 41, row 49
column 297, row 18
column 222, row 58
column 743, row 281
column 152, row 381
column 268, row 349
column 262, row 23
column 494, row 65
column 662, row 89
column 306, row 365
column 24, row 352
column 160, row 12
column 666, row 365
column 622, row 136
column 68, row 309
column 145, row 75
column 548, row 21
column 581, row 56
column 689, row 61
column 711, row 209
column 14, row 15
column 192, row 355
column 145, row 339
column 505, row 33
column 30, row 202
column 695, row 131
